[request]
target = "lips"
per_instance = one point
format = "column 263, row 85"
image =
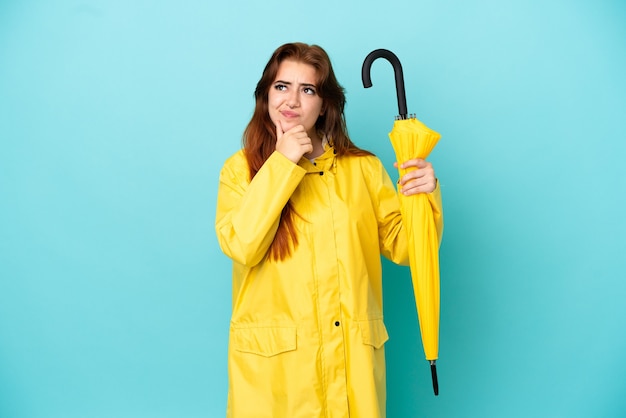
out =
column 288, row 114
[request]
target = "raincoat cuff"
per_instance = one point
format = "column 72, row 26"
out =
column 437, row 190
column 435, row 197
column 285, row 163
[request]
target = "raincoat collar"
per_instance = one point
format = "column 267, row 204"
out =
column 325, row 162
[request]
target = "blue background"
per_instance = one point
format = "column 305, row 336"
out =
column 116, row 116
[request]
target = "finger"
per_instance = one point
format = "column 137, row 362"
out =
column 296, row 129
column 421, row 186
column 419, row 175
column 412, row 175
column 423, row 181
column 298, row 134
column 306, row 142
column 415, row 162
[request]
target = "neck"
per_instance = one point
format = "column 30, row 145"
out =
column 318, row 148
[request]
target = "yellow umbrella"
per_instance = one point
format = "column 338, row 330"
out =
column 410, row 138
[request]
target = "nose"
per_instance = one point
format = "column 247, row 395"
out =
column 293, row 100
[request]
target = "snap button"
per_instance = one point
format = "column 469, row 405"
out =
column 321, row 173
column 337, row 323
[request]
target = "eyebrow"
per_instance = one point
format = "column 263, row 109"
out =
column 289, row 83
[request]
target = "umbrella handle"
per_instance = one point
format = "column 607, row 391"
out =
column 397, row 69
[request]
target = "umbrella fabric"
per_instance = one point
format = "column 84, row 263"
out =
column 410, row 138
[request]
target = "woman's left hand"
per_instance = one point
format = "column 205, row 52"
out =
column 420, row 180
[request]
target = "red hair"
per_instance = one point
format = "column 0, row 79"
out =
column 259, row 138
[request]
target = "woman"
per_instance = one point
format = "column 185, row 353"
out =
column 305, row 215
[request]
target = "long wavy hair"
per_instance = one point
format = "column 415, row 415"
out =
column 259, row 138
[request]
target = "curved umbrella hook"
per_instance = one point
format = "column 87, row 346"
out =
column 397, row 68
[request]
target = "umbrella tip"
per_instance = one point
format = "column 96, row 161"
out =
column 433, row 373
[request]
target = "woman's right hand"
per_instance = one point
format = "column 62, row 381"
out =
column 294, row 143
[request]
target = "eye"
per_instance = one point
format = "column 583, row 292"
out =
column 309, row 91
column 280, row 87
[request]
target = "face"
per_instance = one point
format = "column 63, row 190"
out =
column 293, row 98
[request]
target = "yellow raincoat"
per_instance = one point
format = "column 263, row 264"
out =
column 307, row 334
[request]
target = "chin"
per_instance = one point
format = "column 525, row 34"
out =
column 288, row 125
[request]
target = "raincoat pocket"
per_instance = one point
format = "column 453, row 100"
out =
column 264, row 341
column 374, row 332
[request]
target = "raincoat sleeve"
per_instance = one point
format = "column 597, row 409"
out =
column 434, row 198
column 391, row 230
column 248, row 212
column 391, row 235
